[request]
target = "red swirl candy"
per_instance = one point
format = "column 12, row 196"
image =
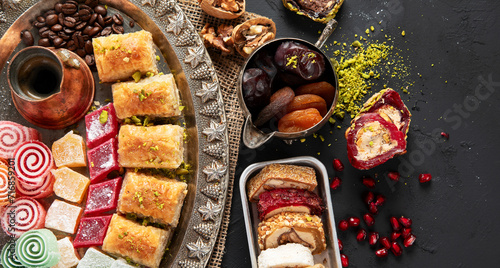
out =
column 4, row 184
column 44, row 190
column 23, row 215
column 13, row 134
column 33, row 161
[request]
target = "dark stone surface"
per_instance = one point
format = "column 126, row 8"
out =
column 455, row 215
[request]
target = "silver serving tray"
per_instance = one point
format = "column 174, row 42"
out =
column 181, row 48
column 331, row 256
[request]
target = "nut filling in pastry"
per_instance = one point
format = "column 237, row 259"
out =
column 251, row 34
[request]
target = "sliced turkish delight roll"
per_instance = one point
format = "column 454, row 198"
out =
column 12, row 135
column 151, row 147
column 119, row 56
column 155, row 96
column 288, row 200
column 291, row 227
column 281, row 176
column 154, row 197
column 144, row 245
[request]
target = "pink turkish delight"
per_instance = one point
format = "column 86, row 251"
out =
column 101, row 125
column 91, row 231
column 103, row 160
column 103, row 197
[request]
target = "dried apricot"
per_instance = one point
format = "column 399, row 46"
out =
column 279, row 101
column 299, row 120
column 307, row 101
column 322, row 89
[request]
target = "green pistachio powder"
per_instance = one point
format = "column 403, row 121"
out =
column 362, row 65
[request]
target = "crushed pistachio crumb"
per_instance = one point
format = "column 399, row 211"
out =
column 137, row 76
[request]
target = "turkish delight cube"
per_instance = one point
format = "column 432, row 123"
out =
column 103, row 160
column 93, row 258
column 69, row 184
column 63, row 217
column 69, row 151
column 69, row 257
column 91, row 231
column 121, row 263
column 103, row 197
column 101, row 125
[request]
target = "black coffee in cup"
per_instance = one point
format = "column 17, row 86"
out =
column 39, row 77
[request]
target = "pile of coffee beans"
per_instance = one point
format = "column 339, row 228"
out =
column 72, row 25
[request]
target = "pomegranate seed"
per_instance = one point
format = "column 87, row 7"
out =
column 337, row 165
column 406, row 222
column 354, row 221
column 409, row 240
column 361, row 235
column 396, row 249
column 393, row 175
column 381, row 252
column 341, row 245
column 424, row 177
column 380, row 200
column 373, row 208
column 369, row 182
column 384, row 241
column 335, row 183
column 369, row 198
column 395, row 224
column 369, row 219
column 345, row 260
column 446, row 135
column 395, row 235
column 405, row 232
column 343, row 225
column 373, row 238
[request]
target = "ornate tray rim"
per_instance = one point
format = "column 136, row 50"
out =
column 212, row 173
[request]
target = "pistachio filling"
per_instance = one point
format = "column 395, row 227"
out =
column 373, row 140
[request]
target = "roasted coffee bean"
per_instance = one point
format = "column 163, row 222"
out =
column 101, row 10
column 118, row 19
column 69, row 8
column 44, row 42
column 83, row 6
column 63, row 35
column 131, row 24
column 57, row 41
column 58, row 7
column 86, row 37
column 39, row 24
column 50, row 12
column 80, row 25
column 60, row 18
column 27, row 38
column 117, row 29
column 42, row 30
column 72, row 2
column 92, row 3
column 89, row 59
column 52, row 35
column 68, row 31
column 108, row 20
column 40, row 19
column 51, row 19
column 87, row 29
column 84, row 14
column 100, row 20
column 70, row 22
column 80, row 52
column 71, row 45
column 93, row 18
column 106, row 31
column 94, row 31
column 56, row 27
column 88, row 47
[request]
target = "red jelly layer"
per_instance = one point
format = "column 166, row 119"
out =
column 91, row 231
column 103, row 160
column 101, row 125
column 279, row 198
column 103, row 197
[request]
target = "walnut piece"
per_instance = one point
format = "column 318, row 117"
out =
column 251, row 34
column 223, row 9
column 221, row 39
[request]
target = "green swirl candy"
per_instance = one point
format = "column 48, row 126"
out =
column 38, row 248
column 8, row 256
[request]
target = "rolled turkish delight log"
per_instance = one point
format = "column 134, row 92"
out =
column 288, row 200
column 38, row 248
column 23, row 215
column 33, row 161
column 12, row 135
